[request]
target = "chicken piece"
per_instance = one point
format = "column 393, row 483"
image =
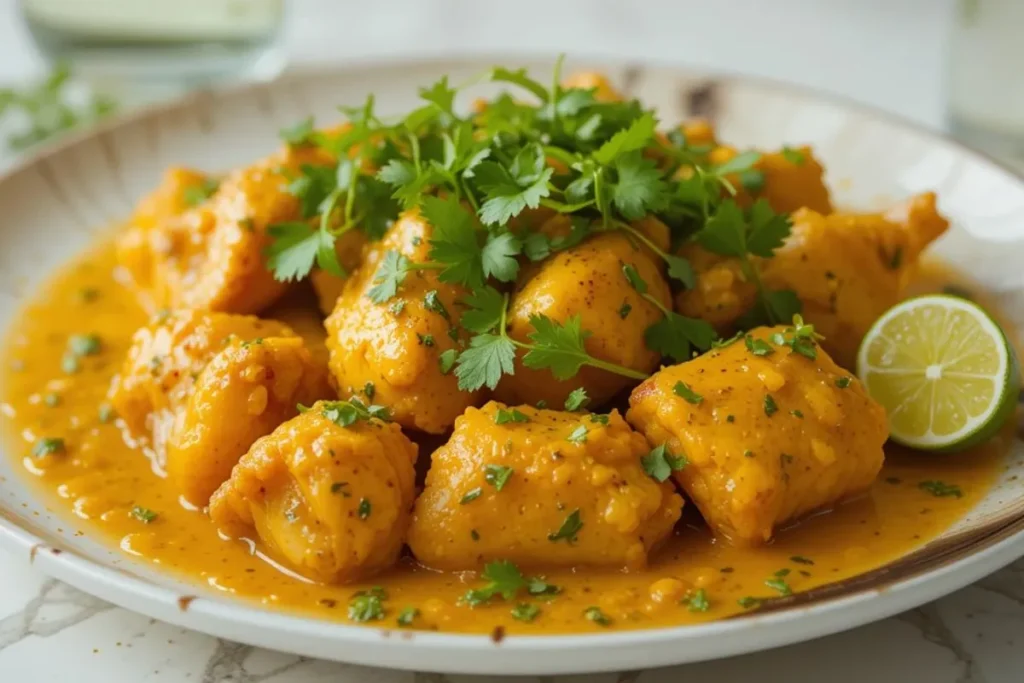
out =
column 847, row 269
column 243, row 393
column 211, row 256
column 332, row 502
column 349, row 248
column 390, row 352
column 554, row 490
column 171, row 197
column 587, row 80
column 180, row 368
column 792, row 180
column 588, row 280
column 769, row 436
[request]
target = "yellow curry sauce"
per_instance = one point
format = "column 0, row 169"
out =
column 100, row 478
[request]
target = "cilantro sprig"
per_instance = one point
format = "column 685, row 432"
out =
column 476, row 176
column 558, row 347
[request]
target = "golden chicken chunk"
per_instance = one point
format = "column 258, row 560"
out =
column 211, row 255
column 390, row 352
column 179, row 187
column 243, row 393
column 588, row 281
column 349, row 248
column 769, row 432
column 793, row 179
column 847, row 269
column 178, row 387
column 541, row 488
column 598, row 82
column 331, row 501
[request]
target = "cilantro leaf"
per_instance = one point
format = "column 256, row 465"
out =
column 488, row 357
column 455, row 242
column 397, row 172
column 783, row 304
column 577, row 400
column 741, row 162
column 768, row 230
column 679, row 269
column 558, row 347
column 504, row 416
column 639, row 188
column 660, row 463
column 511, row 190
column 498, row 475
column 518, row 77
column 390, row 274
column 503, row 578
column 295, row 248
column 725, row 232
column 498, row 256
column 486, row 306
column 569, row 529
column 674, row 335
column 440, row 94
column 299, row 134
column 635, row 137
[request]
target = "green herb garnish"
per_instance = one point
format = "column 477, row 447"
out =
column 660, row 463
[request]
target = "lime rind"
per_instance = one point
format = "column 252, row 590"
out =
column 898, row 357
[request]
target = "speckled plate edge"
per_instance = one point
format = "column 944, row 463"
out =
column 979, row 545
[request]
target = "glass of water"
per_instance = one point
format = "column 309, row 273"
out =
column 986, row 77
column 143, row 50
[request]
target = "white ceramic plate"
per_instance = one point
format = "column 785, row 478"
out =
column 52, row 204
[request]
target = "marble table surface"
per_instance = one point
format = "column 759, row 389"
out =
column 48, row 629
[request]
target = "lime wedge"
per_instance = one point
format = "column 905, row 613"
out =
column 944, row 371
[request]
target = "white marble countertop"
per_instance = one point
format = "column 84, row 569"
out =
column 887, row 54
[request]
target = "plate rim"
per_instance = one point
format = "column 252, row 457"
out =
column 375, row 646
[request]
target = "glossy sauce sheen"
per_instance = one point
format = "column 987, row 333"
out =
column 100, row 479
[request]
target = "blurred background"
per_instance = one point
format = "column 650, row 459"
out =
column 946, row 64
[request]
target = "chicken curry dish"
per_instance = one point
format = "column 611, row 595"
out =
column 540, row 364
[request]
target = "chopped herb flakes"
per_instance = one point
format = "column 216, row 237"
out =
column 446, row 361
column 843, row 382
column 749, row 602
column 48, row 446
column 569, row 529
column 364, row 508
column 511, row 415
column 682, row 390
column 471, row 496
column 503, row 579
column 106, row 413
column 940, row 489
column 800, row 559
column 595, row 615
column 577, row 400
column 347, row 413
column 407, row 616
column 497, row 476
column 341, row 488
column 660, row 463
column 758, row 347
column 770, row 408
column 144, row 515
column 779, row 585
column 367, row 605
column 624, row 311
column 525, row 611
column 578, row 435
column 698, row 602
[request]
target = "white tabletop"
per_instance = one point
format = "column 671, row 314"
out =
column 886, row 53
